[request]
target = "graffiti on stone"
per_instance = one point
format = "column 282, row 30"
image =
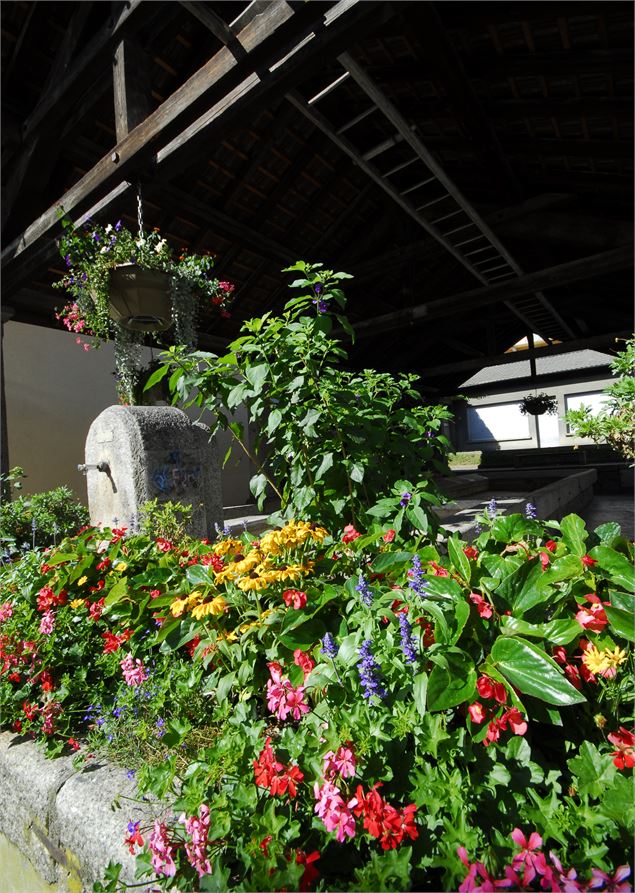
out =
column 176, row 477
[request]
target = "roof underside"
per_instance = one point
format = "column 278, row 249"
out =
column 461, row 148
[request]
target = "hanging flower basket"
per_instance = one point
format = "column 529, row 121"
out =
column 539, row 404
column 126, row 286
column 139, row 300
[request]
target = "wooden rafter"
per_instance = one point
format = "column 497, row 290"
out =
column 139, row 147
column 563, row 274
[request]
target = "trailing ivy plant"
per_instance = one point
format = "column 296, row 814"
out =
column 331, row 442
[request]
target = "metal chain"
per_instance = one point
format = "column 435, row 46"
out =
column 139, row 211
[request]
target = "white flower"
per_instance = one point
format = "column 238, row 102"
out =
column 159, row 246
column 104, row 249
column 140, row 243
column 109, row 227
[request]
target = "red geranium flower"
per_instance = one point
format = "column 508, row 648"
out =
column 350, row 534
column 624, row 756
column 294, row 598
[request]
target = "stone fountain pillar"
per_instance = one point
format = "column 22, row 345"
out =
column 137, row 453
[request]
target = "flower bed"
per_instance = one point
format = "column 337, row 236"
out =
column 364, row 711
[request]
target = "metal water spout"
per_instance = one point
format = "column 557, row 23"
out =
column 100, row 466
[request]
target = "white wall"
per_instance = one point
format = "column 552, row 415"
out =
column 54, row 390
column 495, row 422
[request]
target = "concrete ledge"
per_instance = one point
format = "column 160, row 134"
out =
column 570, row 494
column 62, row 820
column 560, row 497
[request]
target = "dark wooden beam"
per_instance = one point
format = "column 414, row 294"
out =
column 332, row 27
column 585, row 268
column 89, row 62
column 516, row 64
column 131, row 87
column 441, row 54
column 40, row 152
column 595, row 342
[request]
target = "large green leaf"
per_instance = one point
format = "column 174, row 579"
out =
column 452, row 680
column 560, row 632
column 118, row 591
column 199, row 574
column 574, row 534
column 459, row 558
column 531, row 671
column 525, row 588
column 617, row 566
column 567, row 567
column 306, row 634
column 256, row 376
column 390, row 559
column 621, row 622
column 418, row 518
column 594, row 771
column 442, row 587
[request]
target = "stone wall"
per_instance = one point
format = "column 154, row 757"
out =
column 68, row 824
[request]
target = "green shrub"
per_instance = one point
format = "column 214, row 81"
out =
column 41, row 519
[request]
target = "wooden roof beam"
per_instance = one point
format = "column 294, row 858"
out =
column 440, row 52
column 139, row 147
column 563, row 274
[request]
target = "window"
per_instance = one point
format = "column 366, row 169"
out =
column 497, row 422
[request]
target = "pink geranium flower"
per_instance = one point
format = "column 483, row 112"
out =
column 47, row 623
column 529, row 856
column 133, row 671
column 341, row 761
column 162, row 850
column 282, row 698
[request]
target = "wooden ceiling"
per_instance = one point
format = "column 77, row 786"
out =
column 470, row 163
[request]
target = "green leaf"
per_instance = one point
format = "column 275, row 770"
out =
column 309, row 421
column 418, row 518
column 256, row 376
column 461, row 616
column 258, row 485
column 224, row 686
column 574, row 533
column 304, row 636
column 325, row 464
column 623, row 600
column 443, row 588
column 118, row 591
column 621, row 622
column 357, row 472
column 59, row 558
column 349, row 650
column 531, row 671
column 459, row 558
column 390, row 559
column 560, row 632
column 618, row 568
column 198, row 574
column 567, row 567
column 156, row 376
column 273, row 421
column 452, row 680
column 419, row 689
column 595, row 771
column 608, row 533
column 524, row 588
